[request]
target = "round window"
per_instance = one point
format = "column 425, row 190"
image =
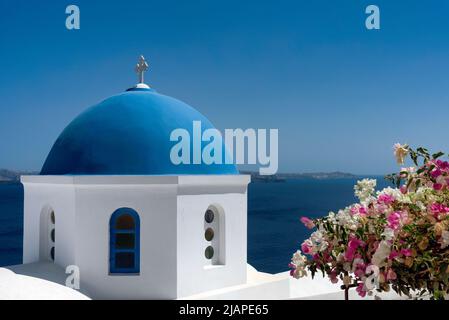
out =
column 52, row 235
column 209, row 252
column 209, row 216
column 209, row 234
column 52, row 217
column 52, row 253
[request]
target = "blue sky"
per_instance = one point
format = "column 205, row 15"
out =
column 339, row 94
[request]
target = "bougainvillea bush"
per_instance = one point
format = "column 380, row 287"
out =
column 396, row 238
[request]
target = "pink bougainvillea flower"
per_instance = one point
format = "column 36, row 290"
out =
column 308, row 222
column 358, row 209
column 437, row 186
column 305, row 248
column 391, row 275
column 443, row 165
column 393, row 254
column 362, row 210
column 349, row 254
column 435, row 173
column 394, row 220
column 333, row 276
column 292, row 268
column 326, row 256
column 403, row 189
column 406, row 252
column 386, row 199
column 360, row 269
column 438, row 210
column 361, row 290
column 353, row 245
column 405, row 218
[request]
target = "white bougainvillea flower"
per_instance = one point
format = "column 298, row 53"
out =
column 364, row 189
column 319, row 242
column 444, row 239
column 346, row 219
column 396, row 193
column 298, row 265
column 381, row 254
column 400, row 152
column 409, row 169
column 388, row 234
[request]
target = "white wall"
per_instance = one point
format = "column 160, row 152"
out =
column 61, row 199
column 172, row 244
column 195, row 196
column 156, row 206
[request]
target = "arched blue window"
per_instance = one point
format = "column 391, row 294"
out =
column 124, row 241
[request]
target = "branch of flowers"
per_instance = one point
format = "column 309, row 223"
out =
column 396, row 231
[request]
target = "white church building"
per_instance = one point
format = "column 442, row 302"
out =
column 109, row 201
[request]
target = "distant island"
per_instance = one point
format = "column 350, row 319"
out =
column 281, row 177
column 13, row 175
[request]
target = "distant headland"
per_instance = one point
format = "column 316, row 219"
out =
column 14, row 175
column 280, row 177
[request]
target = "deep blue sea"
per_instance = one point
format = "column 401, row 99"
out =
column 274, row 209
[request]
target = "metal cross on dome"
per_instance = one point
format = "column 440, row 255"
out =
column 141, row 67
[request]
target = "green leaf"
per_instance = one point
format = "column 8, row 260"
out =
column 414, row 157
column 437, row 155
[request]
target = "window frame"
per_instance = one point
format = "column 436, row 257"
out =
column 112, row 244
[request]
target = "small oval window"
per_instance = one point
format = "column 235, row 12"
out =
column 52, row 253
column 209, row 252
column 209, row 216
column 209, row 234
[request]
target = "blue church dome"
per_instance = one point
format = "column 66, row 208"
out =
column 128, row 134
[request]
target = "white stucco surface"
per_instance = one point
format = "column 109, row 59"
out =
column 172, row 231
column 228, row 197
column 47, row 281
column 36, row 281
column 258, row 286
